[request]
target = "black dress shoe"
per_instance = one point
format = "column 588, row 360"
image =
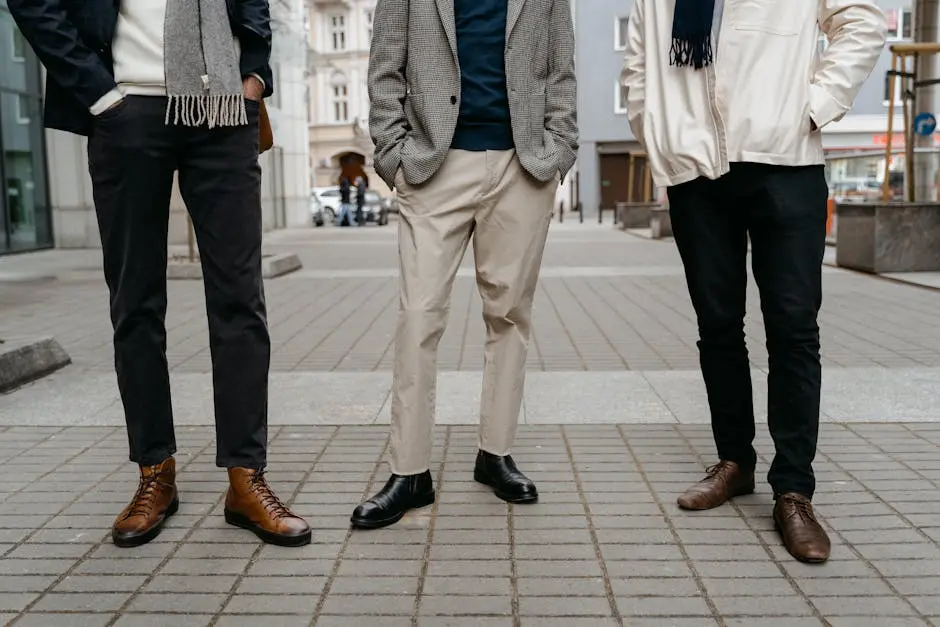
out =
column 400, row 494
column 501, row 474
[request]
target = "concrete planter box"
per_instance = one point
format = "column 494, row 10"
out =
column 888, row 237
column 635, row 215
column 272, row 266
column 25, row 360
column 660, row 222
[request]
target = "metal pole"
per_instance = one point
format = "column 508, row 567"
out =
column 911, row 190
column 927, row 30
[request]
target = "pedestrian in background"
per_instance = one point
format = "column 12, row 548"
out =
column 360, row 200
column 345, row 202
column 163, row 87
column 738, row 94
column 473, row 119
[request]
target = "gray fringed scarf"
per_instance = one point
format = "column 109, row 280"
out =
column 203, row 81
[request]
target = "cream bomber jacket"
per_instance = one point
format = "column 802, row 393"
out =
column 760, row 98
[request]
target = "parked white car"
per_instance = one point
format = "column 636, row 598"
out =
column 325, row 206
column 328, row 197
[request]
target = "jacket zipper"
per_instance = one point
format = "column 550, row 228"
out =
column 711, row 83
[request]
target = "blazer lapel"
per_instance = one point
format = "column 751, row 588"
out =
column 446, row 10
column 512, row 16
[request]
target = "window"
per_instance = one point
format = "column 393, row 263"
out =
column 19, row 46
column 340, row 103
column 620, row 33
column 898, row 90
column 620, row 98
column 22, row 109
column 369, row 16
column 338, row 32
column 900, row 24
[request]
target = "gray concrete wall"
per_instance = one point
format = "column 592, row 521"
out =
column 599, row 65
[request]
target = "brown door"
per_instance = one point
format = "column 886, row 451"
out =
column 615, row 174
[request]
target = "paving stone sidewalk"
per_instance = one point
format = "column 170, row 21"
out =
column 607, row 301
column 606, row 545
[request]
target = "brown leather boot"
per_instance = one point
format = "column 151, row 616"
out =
column 803, row 536
column 725, row 480
column 252, row 505
column 155, row 501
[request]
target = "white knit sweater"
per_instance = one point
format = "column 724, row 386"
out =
column 138, row 52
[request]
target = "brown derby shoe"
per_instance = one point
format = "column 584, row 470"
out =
column 156, row 500
column 252, row 505
column 802, row 534
column 725, row 480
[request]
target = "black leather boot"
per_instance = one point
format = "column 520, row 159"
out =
column 501, row 474
column 400, row 494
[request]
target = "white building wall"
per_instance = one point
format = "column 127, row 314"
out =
column 330, row 138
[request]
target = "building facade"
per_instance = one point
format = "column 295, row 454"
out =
column 47, row 197
column 25, row 211
column 604, row 160
column 340, row 34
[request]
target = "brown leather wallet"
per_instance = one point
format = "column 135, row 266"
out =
column 265, row 134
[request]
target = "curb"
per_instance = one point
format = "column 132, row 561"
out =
column 272, row 266
column 23, row 361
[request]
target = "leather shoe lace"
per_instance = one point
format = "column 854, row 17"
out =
column 272, row 504
column 724, row 480
column 802, row 534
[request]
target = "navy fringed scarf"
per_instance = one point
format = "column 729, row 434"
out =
column 692, row 33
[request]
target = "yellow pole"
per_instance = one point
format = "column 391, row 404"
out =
column 886, row 185
column 630, row 177
column 909, row 138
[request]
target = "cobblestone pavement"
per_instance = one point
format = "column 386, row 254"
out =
column 607, row 302
column 606, row 545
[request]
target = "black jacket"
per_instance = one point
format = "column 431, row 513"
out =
column 73, row 38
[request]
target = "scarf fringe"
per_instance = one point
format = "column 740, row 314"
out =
column 691, row 52
column 203, row 110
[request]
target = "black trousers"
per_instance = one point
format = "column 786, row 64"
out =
column 132, row 157
column 783, row 210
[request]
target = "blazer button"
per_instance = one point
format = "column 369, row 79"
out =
column 453, row 100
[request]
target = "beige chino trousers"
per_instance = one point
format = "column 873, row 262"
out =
column 487, row 197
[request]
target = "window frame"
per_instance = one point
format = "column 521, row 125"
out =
column 620, row 36
column 902, row 17
column 339, row 101
column 336, row 26
column 620, row 98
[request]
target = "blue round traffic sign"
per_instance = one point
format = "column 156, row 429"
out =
column 925, row 124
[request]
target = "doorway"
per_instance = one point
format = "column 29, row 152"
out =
column 615, row 184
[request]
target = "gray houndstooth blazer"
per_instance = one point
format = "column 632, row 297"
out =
column 414, row 86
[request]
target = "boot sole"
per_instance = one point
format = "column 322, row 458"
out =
column 515, row 499
column 240, row 521
column 746, row 490
column 363, row 523
column 129, row 542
